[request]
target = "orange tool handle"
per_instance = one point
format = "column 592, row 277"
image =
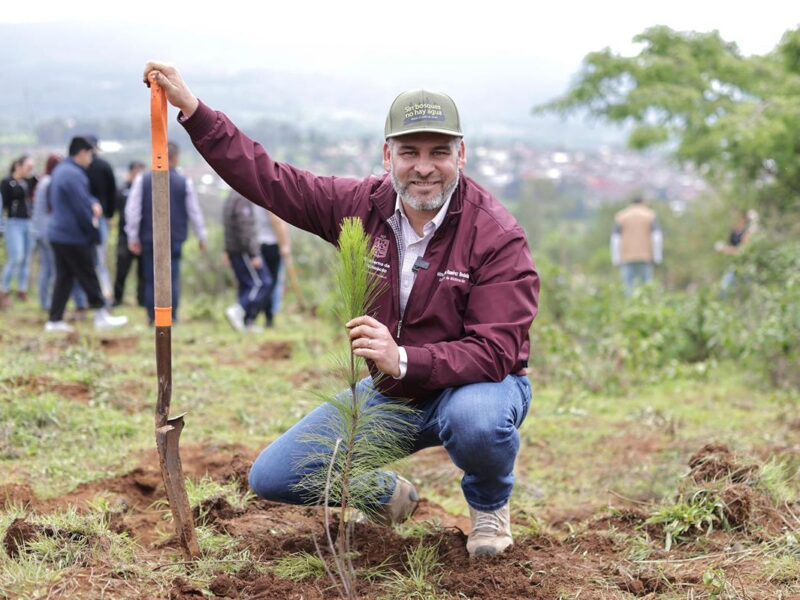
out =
column 162, row 263
column 163, row 316
column 158, row 126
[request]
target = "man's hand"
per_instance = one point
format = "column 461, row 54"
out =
column 178, row 93
column 257, row 262
column 371, row 339
column 203, row 246
column 135, row 248
column 97, row 210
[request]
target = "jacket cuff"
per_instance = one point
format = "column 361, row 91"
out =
column 420, row 364
column 200, row 123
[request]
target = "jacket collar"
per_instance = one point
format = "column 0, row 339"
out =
column 384, row 197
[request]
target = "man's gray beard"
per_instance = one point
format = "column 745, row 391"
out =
column 431, row 205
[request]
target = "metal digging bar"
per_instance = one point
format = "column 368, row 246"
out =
column 168, row 430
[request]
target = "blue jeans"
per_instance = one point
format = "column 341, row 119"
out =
column 635, row 274
column 19, row 246
column 103, row 276
column 477, row 424
column 150, row 280
column 255, row 286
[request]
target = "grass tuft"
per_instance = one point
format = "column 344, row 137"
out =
column 701, row 513
column 299, row 567
column 420, row 577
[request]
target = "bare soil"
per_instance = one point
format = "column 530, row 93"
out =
column 590, row 559
column 37, row 384
column 119, row 345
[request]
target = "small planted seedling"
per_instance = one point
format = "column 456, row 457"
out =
column 362, row 435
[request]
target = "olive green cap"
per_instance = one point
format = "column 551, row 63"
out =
column 421, row 110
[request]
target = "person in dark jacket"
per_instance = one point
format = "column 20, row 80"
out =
column 17, row 191
column 103, row 186
column 126, row 258
column 39, row 226
column 451, row 332
column 244, row 255
column 73, row 234
column 184, row 211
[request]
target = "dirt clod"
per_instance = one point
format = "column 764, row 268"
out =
column 240, row 471
column 183, row 590
column 224, row 586
column 19, row 533
column 716, row 461
column 640, row 581
column 215, row 509
column 738, row 500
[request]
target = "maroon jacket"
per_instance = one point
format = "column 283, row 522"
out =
column 468, row 314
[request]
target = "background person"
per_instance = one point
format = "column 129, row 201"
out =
column 17, row 191
column 636, row 244
column 126, row 258
column 73, row 234
column 244, row 256
column 39, row 224
column 184, row 211
column 103, row 186
column 745, row 224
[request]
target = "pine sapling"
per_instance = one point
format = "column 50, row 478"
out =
column 362, row 436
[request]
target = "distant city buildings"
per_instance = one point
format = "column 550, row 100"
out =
column 596, row 177
column 506, row 166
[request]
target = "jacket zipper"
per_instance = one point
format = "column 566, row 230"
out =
column 395, row 227
column 397, row 238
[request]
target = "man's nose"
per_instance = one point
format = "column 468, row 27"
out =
column 424, row 167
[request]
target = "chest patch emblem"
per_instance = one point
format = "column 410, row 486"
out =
column 381, row 246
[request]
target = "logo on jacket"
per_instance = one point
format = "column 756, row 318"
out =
column 380, row 246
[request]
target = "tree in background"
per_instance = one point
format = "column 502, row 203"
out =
column 734, row 117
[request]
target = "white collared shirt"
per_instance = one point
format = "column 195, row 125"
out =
column 414, row 246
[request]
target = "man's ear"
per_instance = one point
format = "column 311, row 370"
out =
column 387, row 156
column 462, row 155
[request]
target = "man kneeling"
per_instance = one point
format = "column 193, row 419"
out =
column 451, row 331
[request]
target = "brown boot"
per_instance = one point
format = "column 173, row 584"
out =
column 401, row 505
column 22, row 296
column 5, row 300
column 491, row 532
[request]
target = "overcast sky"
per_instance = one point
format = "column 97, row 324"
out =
column 497, row 58
column 412, row 37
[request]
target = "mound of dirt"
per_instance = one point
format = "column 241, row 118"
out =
column 15, row 493
column 22, row 532
column 745, row 506
column 214, row 510
column 19, row 533
column 716, row 461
